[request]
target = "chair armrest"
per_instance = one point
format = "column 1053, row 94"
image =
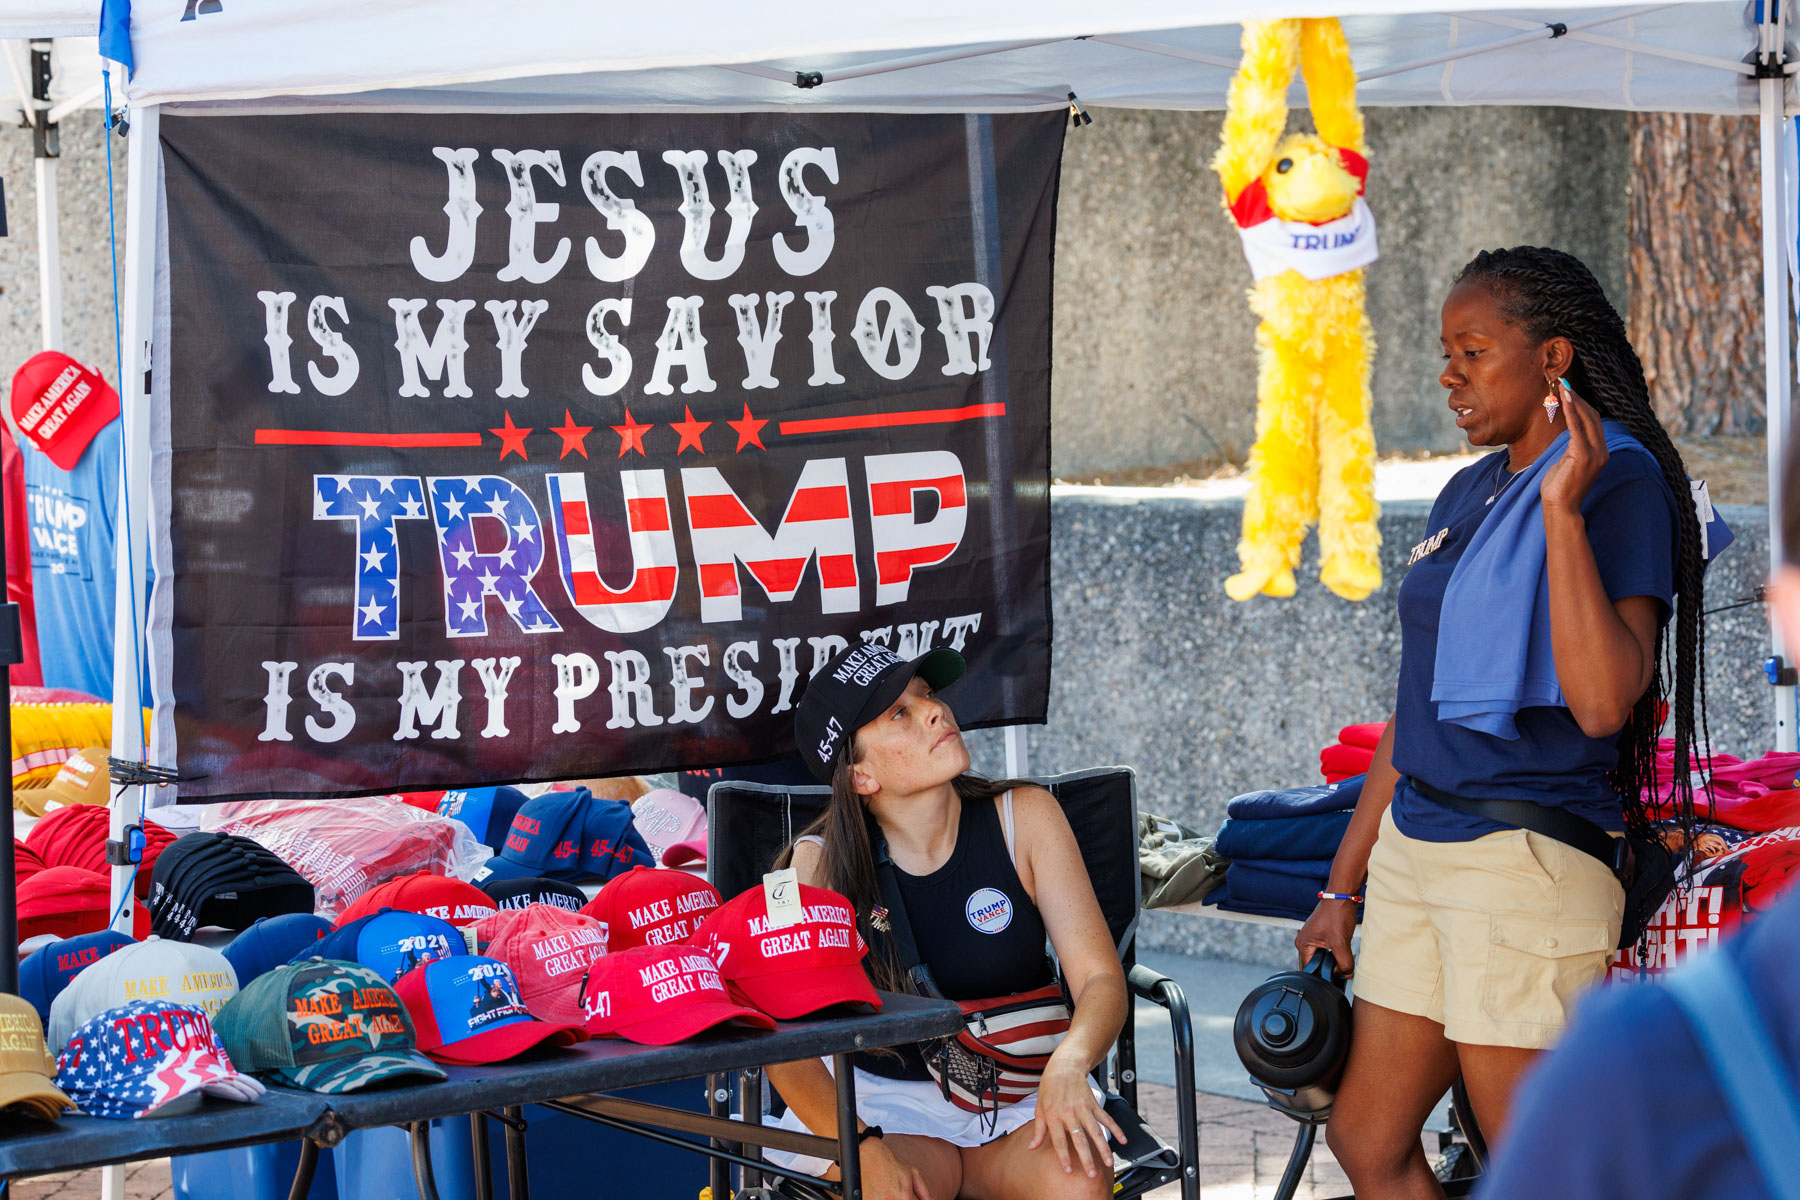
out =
column 1142, row 981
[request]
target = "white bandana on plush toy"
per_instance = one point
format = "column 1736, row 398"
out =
column 1315, row 251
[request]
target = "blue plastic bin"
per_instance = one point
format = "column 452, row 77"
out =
column 248, row 1173
column 562, row 1152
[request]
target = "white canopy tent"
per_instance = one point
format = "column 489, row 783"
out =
column 228, row 56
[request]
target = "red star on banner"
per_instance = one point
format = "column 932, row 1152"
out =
column 512, row 439
column 749, row 430
column 689, row 431
column 631, row 434
column 574, row 437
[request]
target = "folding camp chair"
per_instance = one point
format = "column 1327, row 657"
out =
column 748, row 824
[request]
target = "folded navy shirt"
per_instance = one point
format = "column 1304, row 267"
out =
column 1276, row 803
column 1312, row 836
column 1251, row 888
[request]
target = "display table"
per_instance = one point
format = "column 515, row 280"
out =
column 574, row 1075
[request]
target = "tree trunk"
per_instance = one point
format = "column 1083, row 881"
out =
column 1695, row 312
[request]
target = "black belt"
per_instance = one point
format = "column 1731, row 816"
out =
column 1558, row 823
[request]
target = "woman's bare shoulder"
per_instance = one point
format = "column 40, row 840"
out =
column 809, row 862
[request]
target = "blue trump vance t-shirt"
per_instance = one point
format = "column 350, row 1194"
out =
column 1632, row 526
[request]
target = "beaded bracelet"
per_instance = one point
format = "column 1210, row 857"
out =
column 1340, row 896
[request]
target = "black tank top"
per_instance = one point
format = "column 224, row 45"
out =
column 975, row 925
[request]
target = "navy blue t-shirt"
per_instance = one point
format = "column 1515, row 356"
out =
column 1628, row 1107
column 1631, row 524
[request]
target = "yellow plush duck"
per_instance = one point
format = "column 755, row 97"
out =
column 1297, row 201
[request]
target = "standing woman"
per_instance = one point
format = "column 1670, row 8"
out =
column 1532, row 668
column 986, row 871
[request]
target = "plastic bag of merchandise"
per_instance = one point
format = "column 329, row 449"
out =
column 346, row 847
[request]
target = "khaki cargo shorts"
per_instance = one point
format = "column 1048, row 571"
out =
column 1494, row 939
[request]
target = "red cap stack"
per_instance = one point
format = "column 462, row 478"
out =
column 68, row 902
column 26, row 862
column 660, row 995
column 650, row 907
column 549, row 950
column 795, row 969
column 75, row 836
column 449, row 900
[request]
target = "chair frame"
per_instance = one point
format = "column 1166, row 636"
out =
column 1117, row 1076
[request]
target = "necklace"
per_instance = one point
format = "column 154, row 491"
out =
column 1505, row 477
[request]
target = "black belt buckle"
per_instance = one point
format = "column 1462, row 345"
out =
column 1621, row 857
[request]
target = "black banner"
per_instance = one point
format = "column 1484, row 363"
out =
column 531, row 447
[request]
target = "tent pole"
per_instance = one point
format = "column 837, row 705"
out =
column 138, row 299
column 1775, row 346
column 44, row 149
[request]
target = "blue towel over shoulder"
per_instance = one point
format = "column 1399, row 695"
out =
column 1493, row 648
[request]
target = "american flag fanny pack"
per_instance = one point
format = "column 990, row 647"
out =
column 999, row 1057
column 1006, row 1041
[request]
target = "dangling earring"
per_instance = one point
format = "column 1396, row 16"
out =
column 1553, row 401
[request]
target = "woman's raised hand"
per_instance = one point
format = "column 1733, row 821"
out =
column 1567, row 481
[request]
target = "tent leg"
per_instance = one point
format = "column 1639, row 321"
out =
column 45, row 148
column 133, row 519
column 1775, row 233
column 1018, row 757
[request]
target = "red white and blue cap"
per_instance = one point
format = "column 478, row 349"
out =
column 389, row 943
column 142, row 1058
column 468, row 1009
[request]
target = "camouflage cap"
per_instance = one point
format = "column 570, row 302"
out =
column 323, row 1025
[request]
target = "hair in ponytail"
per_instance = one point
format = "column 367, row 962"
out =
column 1550, row 294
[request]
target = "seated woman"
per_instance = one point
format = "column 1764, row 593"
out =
column 986, row 871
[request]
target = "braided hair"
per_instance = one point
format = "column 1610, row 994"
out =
column 1548, row 293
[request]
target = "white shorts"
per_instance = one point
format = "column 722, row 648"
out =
column 912, row 1106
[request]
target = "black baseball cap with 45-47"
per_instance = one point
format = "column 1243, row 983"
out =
column 853, row 689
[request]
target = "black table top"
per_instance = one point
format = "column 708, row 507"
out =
column 77, row 1142
column 607, row 1064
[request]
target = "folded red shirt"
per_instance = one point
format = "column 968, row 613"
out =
column 1368, row 736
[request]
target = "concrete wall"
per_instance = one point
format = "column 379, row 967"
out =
column 1155, row 669
column 1155, row 360
column 87, row 266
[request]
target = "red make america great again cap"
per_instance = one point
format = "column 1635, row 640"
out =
column 59, row 405
column 792, row 970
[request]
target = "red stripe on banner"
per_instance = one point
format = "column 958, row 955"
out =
column 718, row 579
column 892, row 499
column 396, row 441
column 718, row 512
column 837, row 570
column 652, row 584
column 575, row 518
column 923, row 416
column 892, row 566
column 648, row 515
column 778, row 574
column 819, row 504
